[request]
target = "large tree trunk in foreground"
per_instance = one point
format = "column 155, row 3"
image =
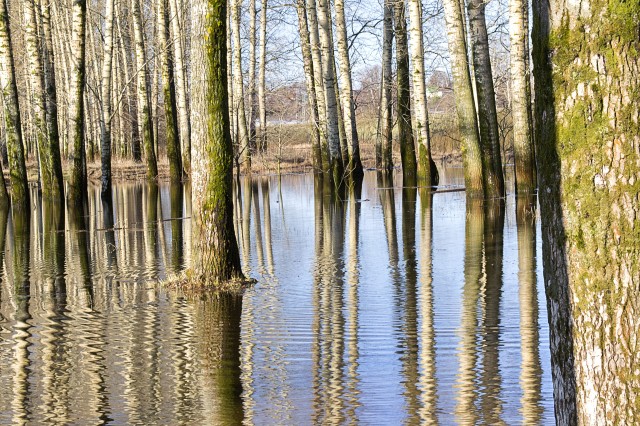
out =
column 465, row 106
column 521, row 97
column 587, row 135
column 427, row 171
column 215, row 250
column 487, row 114
column 12, row 124
column 78, row 180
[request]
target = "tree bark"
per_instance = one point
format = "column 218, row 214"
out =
column 525, row 178
column 586, row 69
column 307, row 60
column 427, row 171
column 181, row 83
column 314, row 39
column 78, row 179
column 12, row 123
column 238, row 87
column 353, row 165
column 487, row 114
column 51, row 103
column 105, row 123
column 144, row 101
column 253, row 95
column 169, row 91
column 384, row 159
column 38, row 98
column 465, row 106
column 262, row 86
column 215, row 249
column 405, row 131
column 335, row 166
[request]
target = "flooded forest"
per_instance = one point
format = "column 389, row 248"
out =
column 319, row 212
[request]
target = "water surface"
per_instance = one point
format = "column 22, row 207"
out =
column 374, row 305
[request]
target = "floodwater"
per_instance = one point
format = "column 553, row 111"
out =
column 377, row 305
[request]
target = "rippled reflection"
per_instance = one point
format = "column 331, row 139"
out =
column 375, row 304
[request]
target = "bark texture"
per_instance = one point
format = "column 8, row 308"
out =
column 105, row 123
column 521, row 97
column 215, row 248
column 465, row 106
column 384, row 158
column 587, row 82
column 78, row 180
column 12, row 123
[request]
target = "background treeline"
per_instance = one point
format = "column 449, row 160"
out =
column 369, row 77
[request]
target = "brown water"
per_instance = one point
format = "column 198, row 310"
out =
column 387, row 306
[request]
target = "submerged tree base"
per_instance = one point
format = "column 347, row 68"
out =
column 188, row 282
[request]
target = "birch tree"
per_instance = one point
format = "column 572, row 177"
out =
column 51, row 103
column 334, row 167
column 78, row 179
column 586, row 68
column 38, row 99
column 487, row 114
column 262, row 86
column 253, row 95
column 12, row 123
column 144, row 100
column 105, row 123
column 180, row 69
column 405, row 131
column 525, row 178
column 238, row 87
column 353, row 163
column 169, row 90
column 307, row 61
column 427, row 171
column 386, row 126
column 463, row 92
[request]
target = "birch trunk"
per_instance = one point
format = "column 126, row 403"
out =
column 38, row 97
column 586, row 68
column 465, row 106
column 181, row 83
column 12, row 123
column 328, row 77
column 405, row 132
column 525, row 178
column 51, row 103
column 215, row 249
column 385, row 157
column 354, row 165
column 105, row 123
column 144, row 101
column 487, row 115
column 314, row 39
column 307, row 60
column 169, row 91
column 427, row 171
column 238, row 87
column 262, row 87
column 253, row 95
column 78, row 178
